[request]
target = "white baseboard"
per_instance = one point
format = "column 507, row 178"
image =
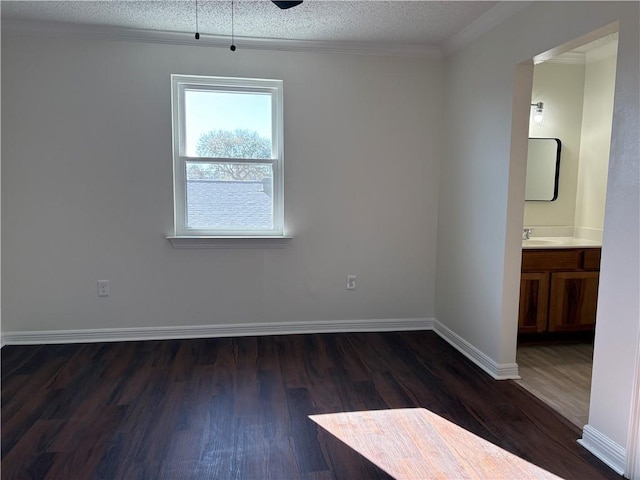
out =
column 507, row 371
column 208, row 331
column 497, row 371
column 614, row 455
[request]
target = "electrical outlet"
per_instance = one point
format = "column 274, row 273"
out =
column 103, row 288
column 351, row 282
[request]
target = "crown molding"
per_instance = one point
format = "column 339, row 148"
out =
column 604, row 52
column 100, row 32
column 489, row 20
column 569, row 58
column 586, row 55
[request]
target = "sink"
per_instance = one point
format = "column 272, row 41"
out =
column 536, row 242
column 559, row 242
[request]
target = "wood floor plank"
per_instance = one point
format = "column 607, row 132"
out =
column 31, row 452
column 240, row 408
column 560, row 375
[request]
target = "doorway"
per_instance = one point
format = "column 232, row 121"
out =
column 572, row 101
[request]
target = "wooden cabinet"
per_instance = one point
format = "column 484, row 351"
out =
column 573, row 300
column 558, row 290
column 534, row 301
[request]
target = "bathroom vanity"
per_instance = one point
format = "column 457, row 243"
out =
column 559, row 286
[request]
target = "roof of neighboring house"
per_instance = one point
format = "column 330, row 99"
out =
column 230, row 205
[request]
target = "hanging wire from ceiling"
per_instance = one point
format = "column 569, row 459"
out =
column 197, row 33
column 233, row 46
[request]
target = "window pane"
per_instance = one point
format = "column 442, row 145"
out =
column 229, row 196
column 227, row 124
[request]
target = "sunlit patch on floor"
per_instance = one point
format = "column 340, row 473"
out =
column 415, row 443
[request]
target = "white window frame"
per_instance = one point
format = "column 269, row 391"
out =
column 180, row 83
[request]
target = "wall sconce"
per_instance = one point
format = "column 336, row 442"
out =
column 538, row 113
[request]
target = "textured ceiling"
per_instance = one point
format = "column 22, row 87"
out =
column 427, row 23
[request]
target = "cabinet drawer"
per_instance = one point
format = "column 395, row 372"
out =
column 551, row 260
column 592, row 259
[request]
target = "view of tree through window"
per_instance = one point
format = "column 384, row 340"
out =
column 240, row 143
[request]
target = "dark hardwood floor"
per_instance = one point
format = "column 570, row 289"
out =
column 238, row 408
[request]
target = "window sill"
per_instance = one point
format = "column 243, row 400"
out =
column 229, row 242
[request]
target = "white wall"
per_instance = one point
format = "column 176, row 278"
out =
column 561, row 88
column 482, row 195
column 87, row 181
column 595, row 143
column 618, row 318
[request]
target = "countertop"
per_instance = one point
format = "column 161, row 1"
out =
column 558, row 242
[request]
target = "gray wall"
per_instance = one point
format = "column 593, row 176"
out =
column 87, row 189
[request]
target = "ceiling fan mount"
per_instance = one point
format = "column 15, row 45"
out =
column 286, row 5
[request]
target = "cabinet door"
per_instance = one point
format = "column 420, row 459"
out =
column 574, row 296
column 534, row 302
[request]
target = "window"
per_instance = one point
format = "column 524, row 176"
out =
column 227, row 156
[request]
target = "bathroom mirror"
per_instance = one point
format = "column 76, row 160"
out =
column 543, row 169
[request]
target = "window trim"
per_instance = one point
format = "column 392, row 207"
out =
column 180, row 83
column 256, row 241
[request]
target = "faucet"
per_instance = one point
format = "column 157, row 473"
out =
column 526, row 233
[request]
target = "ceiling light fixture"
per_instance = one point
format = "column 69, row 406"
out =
column 538, row 113
column 286, row 5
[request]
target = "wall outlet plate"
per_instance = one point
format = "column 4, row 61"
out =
column 351, row 282
column 103, row 288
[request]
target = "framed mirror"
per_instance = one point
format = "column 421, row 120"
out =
column 543, row 169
